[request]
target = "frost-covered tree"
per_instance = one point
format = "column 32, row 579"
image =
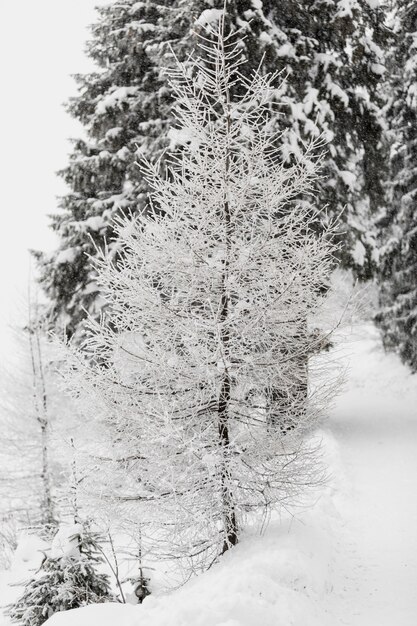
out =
column 210, row 300
column 43, row 419
column 398, row 225
column 27, row 411
column 67, row 579
column 331, row 53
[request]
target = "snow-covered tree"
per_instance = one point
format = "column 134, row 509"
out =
column 38, row 421
column 332, row 55
column 398, row 225
column 343, row 100
column 67, row 579
column 43, row 418
column 27, row 410
column 124, row 108
column 210, row 300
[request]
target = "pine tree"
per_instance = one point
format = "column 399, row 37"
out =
column 209, row 301
column 343, row 95
column 398, row 224
column 332, row 57
column 67, row 579
column 124, row 108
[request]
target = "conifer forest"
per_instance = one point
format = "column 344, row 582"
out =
column 208, row 397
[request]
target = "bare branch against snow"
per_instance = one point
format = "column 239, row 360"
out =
column 200, row 373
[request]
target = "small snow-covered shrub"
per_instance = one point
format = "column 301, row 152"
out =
column 68, row 578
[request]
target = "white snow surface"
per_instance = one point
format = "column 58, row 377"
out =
column 209, row 17
column 359, row 253
column 375, row 423
column 349, row 178
column 66, row 542
column 349, row 560
column 26, row 559
column 66, row 256
column 273, row 580
column 95, row 222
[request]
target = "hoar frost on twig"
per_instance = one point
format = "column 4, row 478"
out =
column 201, row 377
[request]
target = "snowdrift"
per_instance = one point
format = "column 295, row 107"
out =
column 279, row 579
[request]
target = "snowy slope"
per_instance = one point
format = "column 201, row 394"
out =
column 350, row 560
column 279, row 579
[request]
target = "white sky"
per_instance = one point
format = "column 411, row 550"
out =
column 41, row 45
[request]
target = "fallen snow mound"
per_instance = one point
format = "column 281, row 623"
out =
column 279, row 579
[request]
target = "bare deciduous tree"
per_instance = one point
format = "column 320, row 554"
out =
column 209, row 304
column 26, row 412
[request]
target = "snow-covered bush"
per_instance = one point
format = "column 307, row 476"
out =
column 201, row 373
column 68, row 578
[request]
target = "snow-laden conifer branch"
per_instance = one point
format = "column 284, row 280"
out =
column 201, row 377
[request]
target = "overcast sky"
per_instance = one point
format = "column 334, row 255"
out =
column 41, row 45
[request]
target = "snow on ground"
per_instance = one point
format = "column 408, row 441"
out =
column 27, row 557
column 350, row 560
column 375, row 423
column 278, row 579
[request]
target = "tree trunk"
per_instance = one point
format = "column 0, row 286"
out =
column 40, row 402
column 48, row 517
column 229, row 510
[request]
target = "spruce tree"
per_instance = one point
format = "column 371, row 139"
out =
column 124, row 107
column 331, row 57
column 398, row 224
column 67, row 579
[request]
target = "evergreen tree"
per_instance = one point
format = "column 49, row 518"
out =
column 343, row 98
column 67, row 579
column 398, row 224
column 330, row 53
